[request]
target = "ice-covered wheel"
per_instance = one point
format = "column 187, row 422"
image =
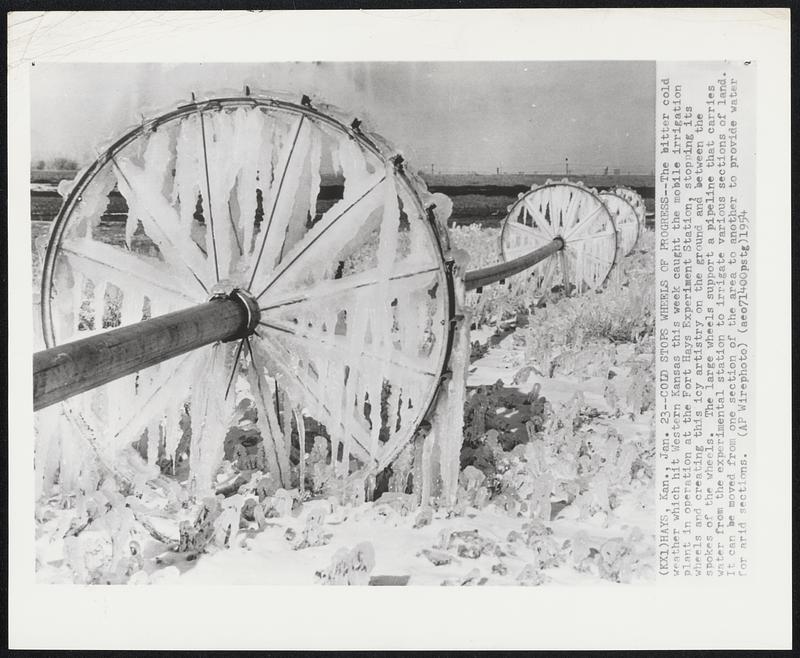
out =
column 309, row 215
column 635, row 199
column 626, row 219
column 574, row 213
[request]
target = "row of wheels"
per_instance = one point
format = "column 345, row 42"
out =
column 598, row 230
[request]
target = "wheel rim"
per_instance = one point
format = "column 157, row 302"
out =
column 356, row 297
column 635, row 199
column 626, row 219
column 577, row 215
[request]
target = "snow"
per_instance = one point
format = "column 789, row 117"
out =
column 266, row 557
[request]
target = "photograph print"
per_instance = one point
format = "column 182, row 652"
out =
column 344, row 323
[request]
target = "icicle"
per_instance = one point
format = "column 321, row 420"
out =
column 427, row 467
column 132, row 273
column 92, row 204
column 449, row 419
column 153, row 440
column 256, row 171
column 263, row 395
column 47, row 449
column 210, row 413
column 380, row 301
column 79, row 296
column 335, row 453
column 188, row 163
column 578, row 250
column 307, row 188
column 224, row 148
column 286, row 419
column 130, row 307
column 99, row 304
column 226, row 525
column 314, row 164
column 301, row 442
column 354, row 169
column 289, row 209
column 142, row 188
column 172, row 432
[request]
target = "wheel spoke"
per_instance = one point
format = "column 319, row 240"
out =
column 211, row 414
column 364, row 204
column 160, row 220
column 562, row 260
column 228, row 160
column 332, row 412
column 235, row 231
column 209, row 202
column 363, row 381
column 336, row 348
column 572, row 210
column 281, row 357
column 533, row 238
column 304, row 189
column 583, row 224
column 606, row 235
column 551, row 264
column 233, row 368
column 542, row 224
column 179, row 375
column 277, row 456
column 590, row 256
column 327, row 288
column 276, row 198
column 101, row 261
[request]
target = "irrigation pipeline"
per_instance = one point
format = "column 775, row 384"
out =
column 66, row 370
column 494, row 273
column 72, row 368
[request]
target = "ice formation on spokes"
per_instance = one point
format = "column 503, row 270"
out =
column 319, row 226
column 573, row 213
column 626, row 221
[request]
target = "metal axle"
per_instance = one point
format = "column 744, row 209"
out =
column 66, row 370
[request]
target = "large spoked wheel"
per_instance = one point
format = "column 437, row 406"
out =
column 579, row 217
column 635, row 199
column 314, row 220
column 626, row 219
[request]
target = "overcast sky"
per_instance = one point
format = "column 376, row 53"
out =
column 457, row 116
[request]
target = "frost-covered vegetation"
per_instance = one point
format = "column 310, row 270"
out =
column 555, row 483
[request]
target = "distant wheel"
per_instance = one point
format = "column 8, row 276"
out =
column 574, row 213
column 635, row 199
column 355, row 297
column 626, row 219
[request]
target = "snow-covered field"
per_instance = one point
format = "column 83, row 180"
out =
column 556, row 483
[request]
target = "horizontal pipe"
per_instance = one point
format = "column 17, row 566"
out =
column 72, row 368
column 494, row 273
column 66, row 370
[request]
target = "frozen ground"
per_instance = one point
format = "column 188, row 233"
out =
column 556, row 488
column 487, row 545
